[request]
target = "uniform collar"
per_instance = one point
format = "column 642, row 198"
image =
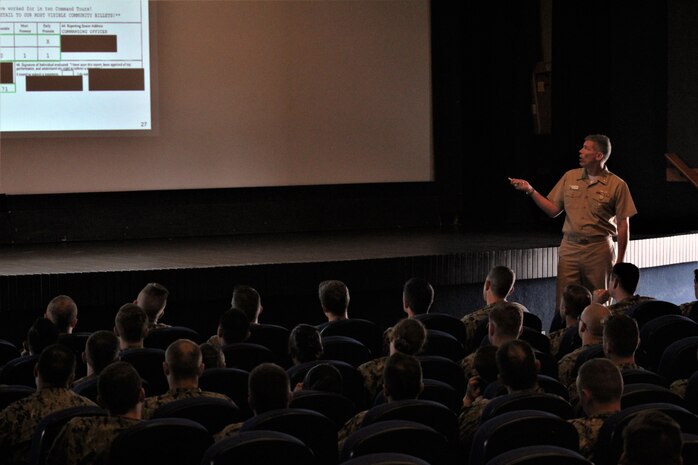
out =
column 603, row 177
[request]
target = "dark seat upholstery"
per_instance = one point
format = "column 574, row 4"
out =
column 174, row 441
column 538, row 340
column 444, row 322
column 540, row 455
column 213, row 413
column 691, row 397
column 352, row 381
column 689, row 451
column 13, row 392
column 548, row 364
column 88, row 388
column 397, row 436
column 19, row 370
column 591, row 352
column 445, row 370
column 258, row 447
column 161, row 338
column 47, row 430
column 274, row 338
column 246, row 356
column 434, row 390
column 386, row 458
column 609, row 444
column 346, row 349
column 552, row 386
column 315, row 430
column 658, row 334
column 570, row 342
column 364, row 331
column 533, row 321
column 521, row 428
column 527, row 401
column 443, row 344
column 229, row 381
column 651, row 309
column 679, row 360
column 426, row 412
column 643, row 376
column 148, row 364
column 336, row 407
column 77, row 342
column 644, row 393
column 8, row 351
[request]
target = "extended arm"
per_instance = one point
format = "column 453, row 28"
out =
column 623, row 238
column 543, row 203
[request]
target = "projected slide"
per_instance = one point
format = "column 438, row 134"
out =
column 74, row 65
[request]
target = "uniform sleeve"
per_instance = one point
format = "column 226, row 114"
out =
column 625, row 207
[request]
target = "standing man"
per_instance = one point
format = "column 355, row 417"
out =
column 598, row 206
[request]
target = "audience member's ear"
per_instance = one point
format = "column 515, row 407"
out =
column 84, row 357
column 166, row 368
column 537, row 366
column 250, row 401
column 116, row 332
column 74, row 323
column 141, row 395
column 201, row 369
column 386, row 392
column 511, row 291
column 421, row 388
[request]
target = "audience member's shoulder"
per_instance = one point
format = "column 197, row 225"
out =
column 229, row 431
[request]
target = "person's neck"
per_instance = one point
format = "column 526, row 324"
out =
column 136, row 413
column 589, row 339
column 595, row 408
column 494, row 299
column 595, row 170
column 621, row 295
column 125, row 345
column 331, row 317
column 189, row 383
column 621, row 360
column 570, row 321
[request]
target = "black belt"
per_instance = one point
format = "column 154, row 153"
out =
column 584, row 239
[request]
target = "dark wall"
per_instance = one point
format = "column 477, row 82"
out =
column 610, row 75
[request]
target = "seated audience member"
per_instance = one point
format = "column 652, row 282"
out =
column 304, row 344
column 621, row 337
column 575, row 299
column 54, row 373
column 101, row 349
column 402, row 380
column 131, row 326
column 407, row 337
column 233, row 327
column 621, row 289
column 591, row 332
column 474, row 401
column 247, row 300
column 153, row 300
column 499, row 283
column 323, row 377
column 86, row 440
column 599, row 388
column 212, row 356
column 652, row 438
column 518, row 372
column 268, row 389
column 505, row 324
column 417, row 297
column 41, row 334
column 183, row 365
column 690, row 309
column 63, row 312
column 334, row 299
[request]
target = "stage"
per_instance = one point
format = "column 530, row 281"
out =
column 286, row 268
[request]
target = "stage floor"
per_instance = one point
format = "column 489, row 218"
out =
column 96, row 257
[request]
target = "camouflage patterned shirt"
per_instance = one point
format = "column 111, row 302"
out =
column 555, row 340
column 469, row 421
column 151, row 404
column 566, row 365
column 86, row 440
column 19, row 420
column 468, row 366
column 620, row 308
column 372, row 372
column 679, row 387
column 588, row 430
column 471, row 322
column 351, row 426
